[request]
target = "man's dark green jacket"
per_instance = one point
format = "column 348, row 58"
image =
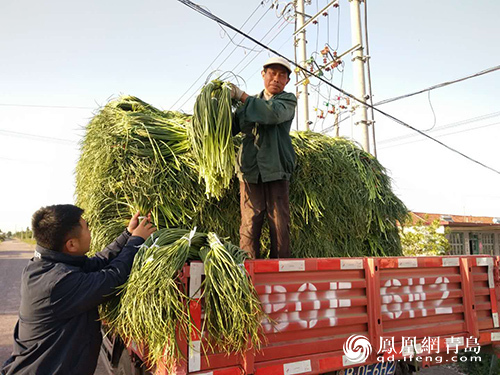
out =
column 267, row 147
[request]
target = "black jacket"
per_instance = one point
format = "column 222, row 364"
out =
column 58, row 331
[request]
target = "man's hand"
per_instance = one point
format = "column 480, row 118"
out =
column 134, row 222
column 144, row 229
column 236, row 92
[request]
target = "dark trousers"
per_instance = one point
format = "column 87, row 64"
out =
column 265, row 199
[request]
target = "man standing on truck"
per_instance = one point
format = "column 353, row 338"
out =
column 266, row 159
column 58, row 331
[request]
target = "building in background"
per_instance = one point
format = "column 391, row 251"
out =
column 467, row 235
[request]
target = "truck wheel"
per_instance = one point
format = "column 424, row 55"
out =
column 124, row 364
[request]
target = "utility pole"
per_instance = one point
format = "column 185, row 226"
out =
column 300, row 47
column 360, row 113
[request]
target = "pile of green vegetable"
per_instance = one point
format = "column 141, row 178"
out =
column 135, row 156
column 152, row 307
column 211, row 140
column 181, row 168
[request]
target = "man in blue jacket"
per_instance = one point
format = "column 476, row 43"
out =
column 58, row 331
column 266, row 159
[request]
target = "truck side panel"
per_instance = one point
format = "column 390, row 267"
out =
column 315, row 305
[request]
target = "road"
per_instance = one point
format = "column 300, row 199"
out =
column 14, row 255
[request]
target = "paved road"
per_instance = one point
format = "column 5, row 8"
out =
column 442, row 370
column 14, row 255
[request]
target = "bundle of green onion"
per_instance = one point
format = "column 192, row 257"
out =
column 233, row 312
column 152, row 307
column 210, row 135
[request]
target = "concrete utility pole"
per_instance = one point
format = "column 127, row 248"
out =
column 360, row 113
column 300, row 46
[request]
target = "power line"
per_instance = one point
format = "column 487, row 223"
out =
column 220, row 53
column 482, row 72
column 437, row 141
column 444, row 127
column 253, row 59
column 244, row 57
column 43, row 106
column 25, row 161
column 445, row 135
column 227, row 57
column 327, row 129
column 433, row 112
column 260, row 69
column 36, row 136
column 213, row 17
column 265, row 35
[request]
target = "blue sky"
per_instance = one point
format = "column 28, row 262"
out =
column 59, row 54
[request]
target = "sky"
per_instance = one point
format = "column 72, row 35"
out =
column 60, row 61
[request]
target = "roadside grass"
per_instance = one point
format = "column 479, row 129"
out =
column 30, row 241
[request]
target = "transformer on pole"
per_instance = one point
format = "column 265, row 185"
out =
column 360, row 114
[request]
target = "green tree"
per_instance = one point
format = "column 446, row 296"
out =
column 424, row 240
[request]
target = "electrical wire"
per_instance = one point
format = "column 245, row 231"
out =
column 229, row 36
column 444, row 127
column 213, row 17
column 316, row 51
column 482, row 72
column 444, row 135
column 228, row 56
column 328, row 27
column 43, row 106
column 215, row 59
column 433, row 113
column 260, row 68
column 35, row 136
column 330, row 73
column 26, row 161
column 317, row 27
column 237, row 44
column 283, row 23
column 338, row 28
column 326, row 130
column 253, row 59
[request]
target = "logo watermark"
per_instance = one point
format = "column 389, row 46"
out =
column 358, row 348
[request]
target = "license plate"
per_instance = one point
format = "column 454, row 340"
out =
column 385, row 368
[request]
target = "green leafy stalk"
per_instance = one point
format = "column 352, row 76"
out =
column 232, row 309
column 211, row 139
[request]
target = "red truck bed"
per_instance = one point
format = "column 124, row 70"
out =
column 317, row 304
